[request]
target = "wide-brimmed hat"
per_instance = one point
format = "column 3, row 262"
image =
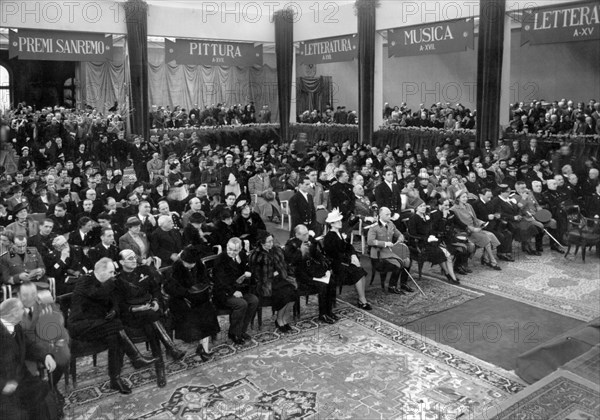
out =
column 334, row 216
column 19, row 207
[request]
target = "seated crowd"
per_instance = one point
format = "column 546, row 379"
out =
column 162, row 250
column 538, row 117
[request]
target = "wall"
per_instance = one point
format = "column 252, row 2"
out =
column 555, row 71
column 430, row 79
column 37, row 82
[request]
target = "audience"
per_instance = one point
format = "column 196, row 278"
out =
column 186, row 197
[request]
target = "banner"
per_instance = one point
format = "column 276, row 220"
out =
column 213, row 53
column 328, row 50
column 29, row 44
column 432, row 38
column 567, row 23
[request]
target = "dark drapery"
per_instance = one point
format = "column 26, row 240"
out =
column 284, row 53
column 489, row 69
column 313, row 93
column 136, row 16
column 365, row 11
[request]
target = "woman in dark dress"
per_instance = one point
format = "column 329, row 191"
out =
column 269, row 271
column 344, row 259
column 247, row 223
column 194, row 315
column 420, row 229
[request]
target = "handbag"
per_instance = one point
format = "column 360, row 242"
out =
column 317, row 269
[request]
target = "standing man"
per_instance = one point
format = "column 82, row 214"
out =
column 302, row 208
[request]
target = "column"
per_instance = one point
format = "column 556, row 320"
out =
column 293, row 112
column 505, row 95
column 378, row 83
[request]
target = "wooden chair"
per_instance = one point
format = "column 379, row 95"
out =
column 360, row 233
column 583, row 232
column 284, row 200
column 6, row 291
column 376, row 268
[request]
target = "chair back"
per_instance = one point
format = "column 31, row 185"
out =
column 286, row 195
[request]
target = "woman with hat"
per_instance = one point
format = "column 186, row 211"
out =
column 194, row 236
column 223, row 230
column 420, row 230
column 467, row 219
column 344, row 260
column 23, row 224
column 269, row 271
column 137, row 241
column 194, row 315
column 247, row 223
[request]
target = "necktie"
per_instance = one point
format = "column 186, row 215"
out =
column 30, row 313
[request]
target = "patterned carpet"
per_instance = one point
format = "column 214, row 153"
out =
column 404, row 309
column 559, row 396
column 563, row 285
column 361, row 367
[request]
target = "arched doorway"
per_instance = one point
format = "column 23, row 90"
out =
column 5, row 99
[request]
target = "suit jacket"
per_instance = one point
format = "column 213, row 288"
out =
column 100, row 251
column 75, row 239
column 507, row 211
column 127, row 242
column 225, row 273
column 535, row 156
column 390, row 198
column 163, row 244
column 303, row 211
column 341, row 196
column 15, row 350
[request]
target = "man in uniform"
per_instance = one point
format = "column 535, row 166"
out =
column 302, row 208
column 381, row 238
column 23, row 263
column 93, row 317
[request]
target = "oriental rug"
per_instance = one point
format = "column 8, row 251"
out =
column 404, row 309
column 561, row 395
column 566, row 286
column 361, row 367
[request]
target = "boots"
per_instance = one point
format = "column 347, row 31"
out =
column 172, row 351
column 161, row 377
column 137, row 360
column 114, row 370
column 118, row 385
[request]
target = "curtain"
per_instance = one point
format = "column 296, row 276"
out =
column 313, row 93
column 103, row 84
column 284, row 53
column 189, row 85
column 136, row 17
column 489, row 69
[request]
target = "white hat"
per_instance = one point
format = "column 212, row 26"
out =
column 334, row 216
